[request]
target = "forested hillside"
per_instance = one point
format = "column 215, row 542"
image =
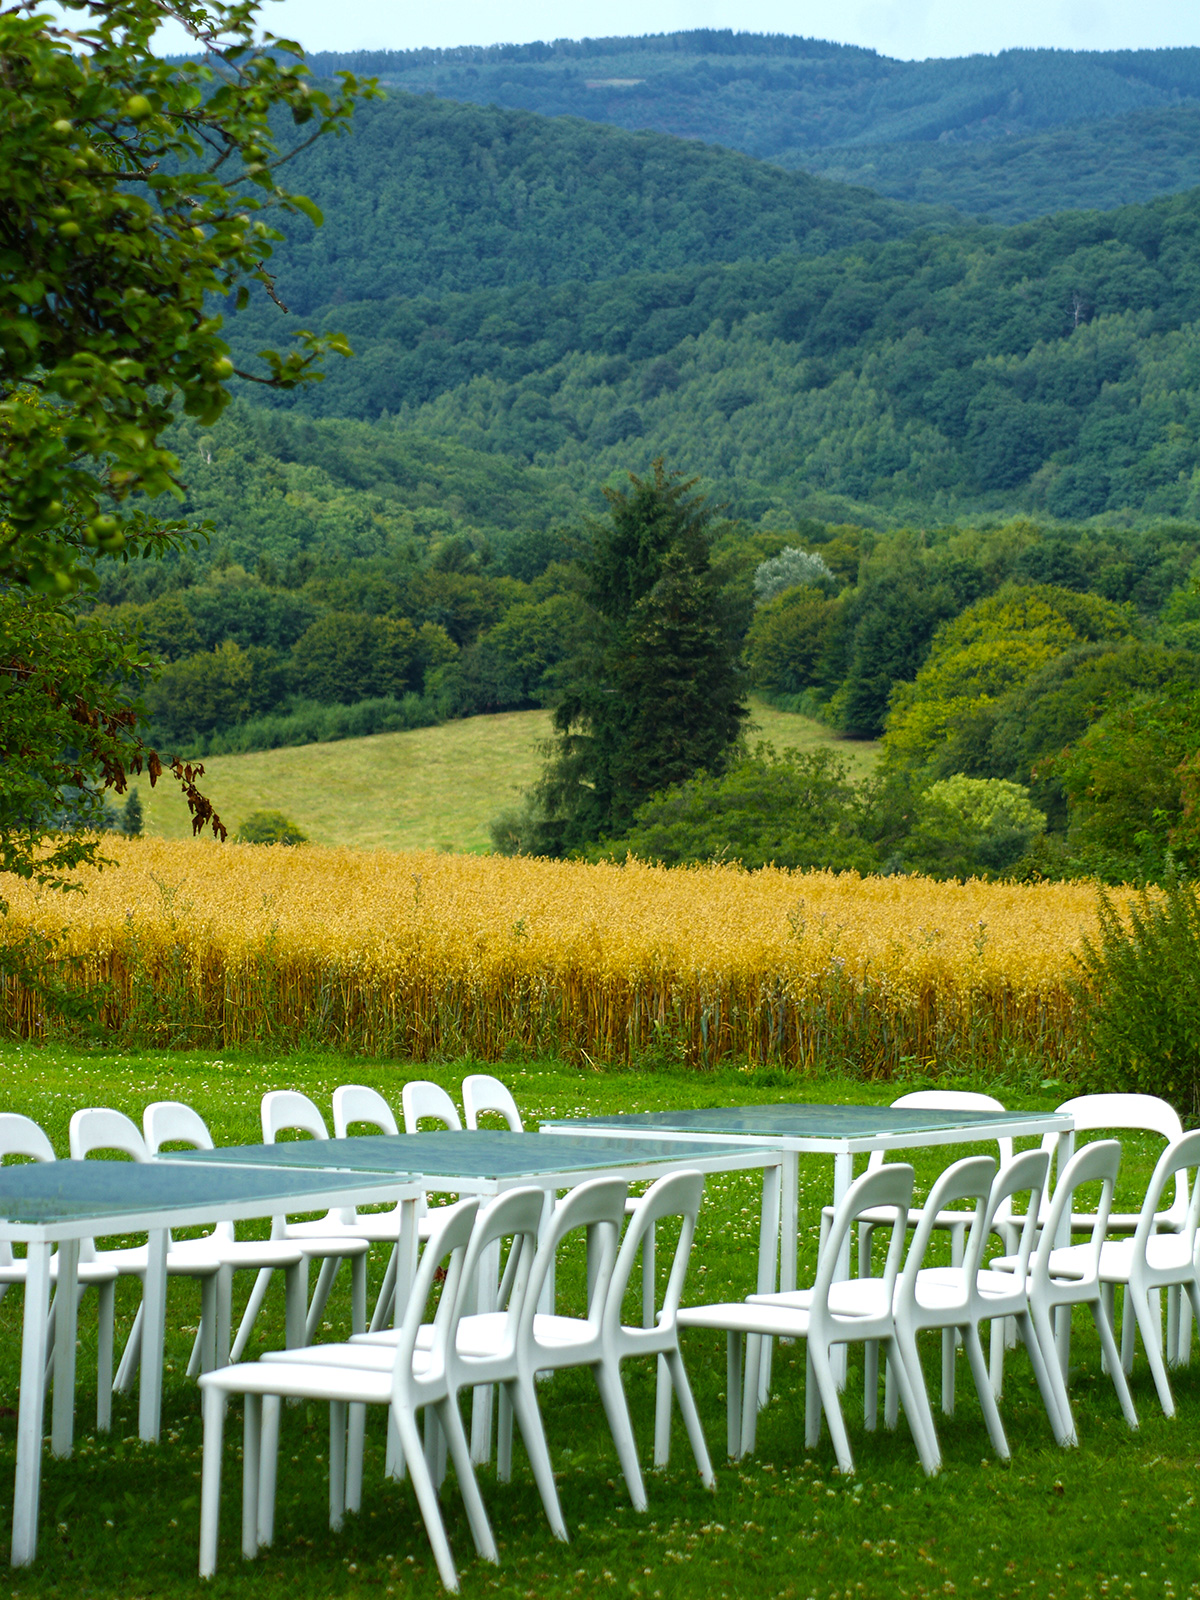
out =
column 985, row 134
column 429, row 197
column 1054, row 367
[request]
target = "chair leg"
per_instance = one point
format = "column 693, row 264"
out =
column 1120, row 1383
column 105, row 1314
column 648, row 1285
column 387, row 1292
column 210, row 1479
column 504, row 1434
column 253, row 1307
column 1000, row 1343
column 905, row 1371
column 826, row 1385
column 268, row 1468
column 523, row 1398
column 691, row 1417
column 920, row 1423
column 870, row 1384
column 468, row 1484
column 753, row 1367
column 427, row 1500
column 358, row 1294
column 328, row 1272
column 983, row 1388
column 355, row 1449
column 662, row 1413
column 733, row 1395
column 251, row 1446
column 337, row 1464
column 948, row 1343
column 1038, row 1333
column 616, row 1409
column 130, row 1357
column 1128, row 1332
column 812, row 1403
column 207, row 1331
column 1149, row 1321
column 224, row 1318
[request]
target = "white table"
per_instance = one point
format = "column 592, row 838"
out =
column 62, row 1202
column 487, row 1162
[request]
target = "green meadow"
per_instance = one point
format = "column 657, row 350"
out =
column 432, row 788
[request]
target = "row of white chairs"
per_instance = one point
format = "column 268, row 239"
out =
column 426, row 1364
column 1034, row 1286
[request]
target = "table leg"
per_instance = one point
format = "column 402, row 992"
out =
column 776, row 1249
column 62, row 1425
column 154, row 1326
column 481, row 1396
column 546, row 1299
column 843, row 1177
column 34, row 1341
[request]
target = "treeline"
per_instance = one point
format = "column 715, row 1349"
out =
column 771, row 95
column 1051, row 367
column 1037, row 699
column 1092, row 165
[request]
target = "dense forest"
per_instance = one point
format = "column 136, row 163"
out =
column 1011, row 136
column 1050, row 367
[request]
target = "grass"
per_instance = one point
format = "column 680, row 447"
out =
column 1115, row 1517
column 431, row 788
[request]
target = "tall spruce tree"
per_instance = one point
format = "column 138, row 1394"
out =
column 657, row 695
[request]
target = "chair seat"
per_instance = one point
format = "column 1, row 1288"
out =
column 257, row 1252
column 89, row 1272
column 379, row 1227
column 368, row 1357
column 320, row 1239
column 882, row 1217
column 743, row 1316
column 313, row 1379
column 849, row 1297
column 191, row 1258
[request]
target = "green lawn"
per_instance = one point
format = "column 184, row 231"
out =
column 1116, row 1516
column 434, row 787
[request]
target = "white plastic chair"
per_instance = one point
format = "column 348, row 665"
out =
column 488, row 1344
column 1133, row 1113
column 171, row 1122
column 1053, row 1294
column 414, row 1380
column 420, row 1099
column 955, row 1223
column 355, row 1103
column 481, row 1093
column 101, row 1128
column 1149, row 1262
column 21, row 1136
column 332, row 1239
column 962, row 1297
column 855, row 1310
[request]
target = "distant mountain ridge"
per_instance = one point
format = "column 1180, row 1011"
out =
column 939, row 131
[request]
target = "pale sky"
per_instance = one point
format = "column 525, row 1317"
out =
column 905, row 28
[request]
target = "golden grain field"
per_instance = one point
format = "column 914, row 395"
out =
column 423, row 954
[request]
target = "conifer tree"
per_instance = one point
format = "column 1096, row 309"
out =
column 657, row 695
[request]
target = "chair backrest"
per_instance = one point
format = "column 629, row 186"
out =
column 289, row 1109
column 1176, row 1160
column 449, row 1236
column 354, row 1102
column 100, row 1128
column 1097, row 1162
column 1140, row 1113
column 481, row 1092
column 678, row 1194
column 598, row 1206
column 889, row 1185
column 946, row 1100
column 517, row 1216
column 970, row 1179
column 1027, row 1173
column 21, row 1136
column 420, row 1098
column 171, row 1122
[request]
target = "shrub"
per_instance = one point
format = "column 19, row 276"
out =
column 973, row 827
column 270, row 827
column 1141, row 998
column 792, row 568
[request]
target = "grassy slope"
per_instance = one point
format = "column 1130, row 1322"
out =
column 1116, row 1516
column 436, row 787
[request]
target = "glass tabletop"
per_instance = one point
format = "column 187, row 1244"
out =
column 485, row 1154
column 47, row 1192
column 794, row 1121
